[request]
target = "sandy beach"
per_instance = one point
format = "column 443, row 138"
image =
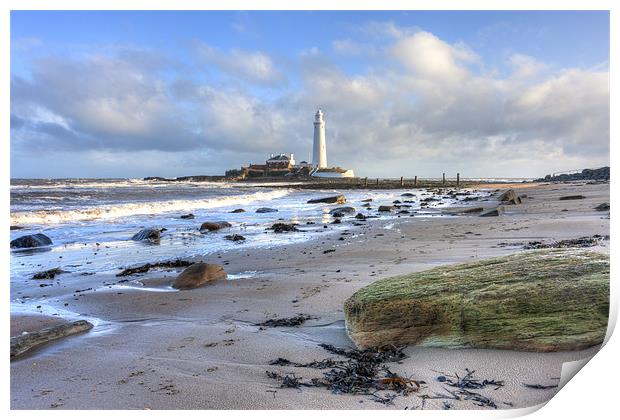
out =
column 153, row 347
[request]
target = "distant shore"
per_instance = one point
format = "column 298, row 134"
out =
column 348, row 183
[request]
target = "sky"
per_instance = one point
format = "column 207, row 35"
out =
column 163, row 93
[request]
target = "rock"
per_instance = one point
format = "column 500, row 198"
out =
column 396, row 202
column 337, row 214
column 199, row 274
column 187, row 216
column 213, row 226
column 342, row 210
column 472, row 210
column 284, row 227
column 367, row 205
column 367, row 200
column 239, row 211
column 509, row 197
column 385, row 208
column 336, row 199
column 14, row 227
column 48, row 274
column 151, row 235
column 235, row 237
column 544, row 300
column 31, row 241
column 24, row 342
column 407, row 195
column 492, row 212
column 573, row 197
column 266, row 210
column 360, row 216
column 336, row 222
column 601, row 174
column 602, row 207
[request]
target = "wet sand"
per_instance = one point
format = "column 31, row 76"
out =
column 153, row 347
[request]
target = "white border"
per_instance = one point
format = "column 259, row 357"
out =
column 594, row 391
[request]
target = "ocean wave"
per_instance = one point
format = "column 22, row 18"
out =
column 121, row 183
column 132, row 209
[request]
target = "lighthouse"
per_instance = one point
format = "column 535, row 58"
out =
column 319, row 158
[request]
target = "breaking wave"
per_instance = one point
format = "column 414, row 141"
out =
column 133, row 209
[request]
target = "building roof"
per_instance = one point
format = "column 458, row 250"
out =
column 279, row 157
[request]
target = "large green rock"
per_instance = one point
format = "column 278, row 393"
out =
column 544, row 300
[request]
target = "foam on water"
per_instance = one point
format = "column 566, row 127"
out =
column 133, row 209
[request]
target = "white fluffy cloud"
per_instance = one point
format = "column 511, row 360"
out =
column 254, row 66
column 421, row 106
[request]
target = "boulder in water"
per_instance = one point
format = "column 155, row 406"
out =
column 602, row 207
column 386, row 208
column 235, row 237
column 284, row 227
column 151, row 235
column 544, row 300
column 336, row 199
column 342, row 210
column 213, row 226
column 31, row 241
column 266, row 210
column 199, row 274
column 238, row 211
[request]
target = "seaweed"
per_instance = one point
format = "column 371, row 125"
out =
column 146, row 267
column 362, row 373
column 286, row 322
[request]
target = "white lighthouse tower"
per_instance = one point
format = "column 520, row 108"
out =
column 319, row 158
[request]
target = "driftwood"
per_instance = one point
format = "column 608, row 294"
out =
column 22, row 343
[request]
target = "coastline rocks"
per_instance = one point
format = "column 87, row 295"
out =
column 572, row 197
column 213, row 226
column 187, row 216
column 31, row 241
column 336, row 199
column 235, row 237
column 238, row 211
column 199, row 274
column 24, row 342
column 284, row 227
column 509, row 197
column 367, row 200
column 602, row 207
column 266, row 210
column 492, row 212
column 337, row 214
column 386, row 208
column 544, row 300
column 151, row 235
column 342, row 210
column 360, row 216
column 48, row 274
column 15, row 227
column 407, row 195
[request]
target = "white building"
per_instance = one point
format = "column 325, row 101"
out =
column 319, row 158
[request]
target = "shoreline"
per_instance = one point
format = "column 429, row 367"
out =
column 179, row 370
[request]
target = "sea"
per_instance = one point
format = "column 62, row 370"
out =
column 91, row 221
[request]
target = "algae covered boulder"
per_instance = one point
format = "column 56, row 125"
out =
column 544, row 300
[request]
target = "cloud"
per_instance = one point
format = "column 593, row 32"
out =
column 253, row 66
column 525, row 66
column 420, row 106
column 428, row 57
